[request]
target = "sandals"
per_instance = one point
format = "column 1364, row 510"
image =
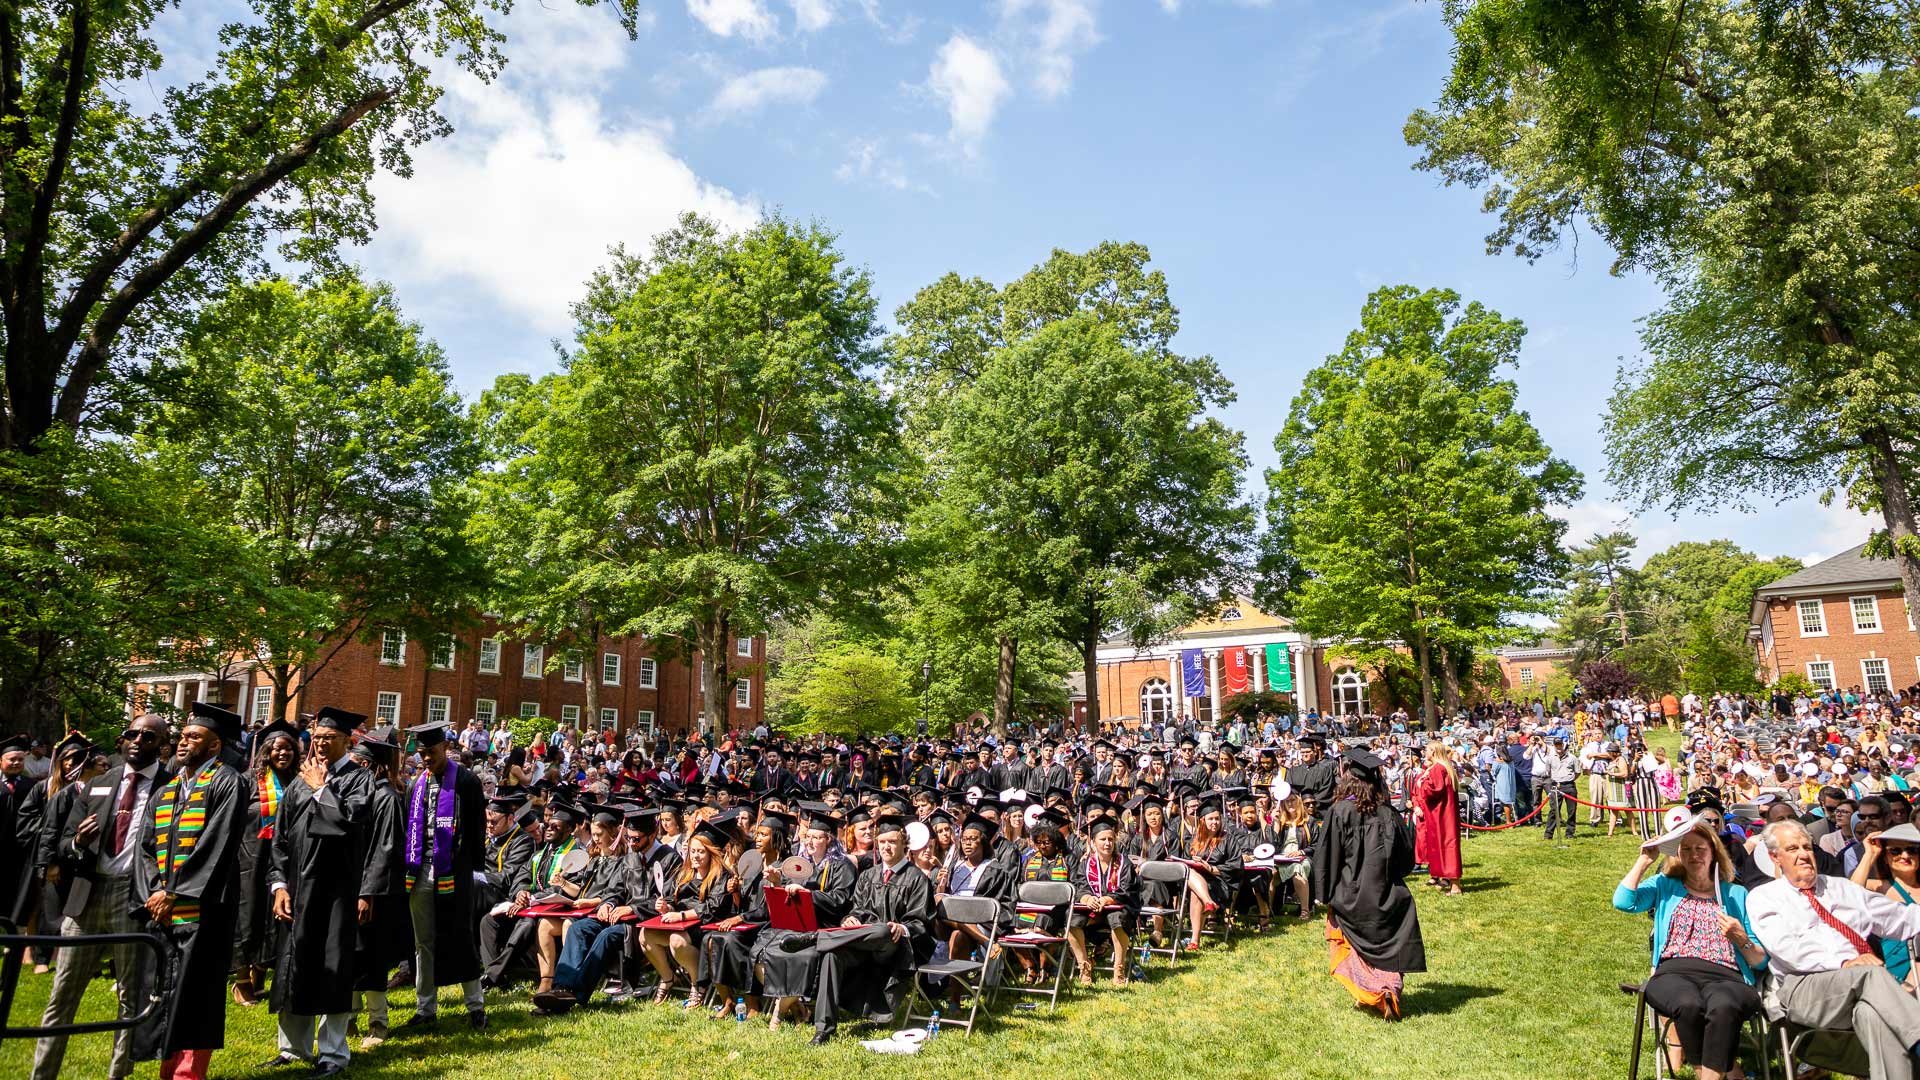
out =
column 661, row 992
column 695, row 998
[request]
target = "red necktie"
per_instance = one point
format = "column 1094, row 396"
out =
column 123, row 814
column 1853, row 938
column 886, row 874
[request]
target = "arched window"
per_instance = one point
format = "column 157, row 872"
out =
column 1156, row 702
column 1349, row 693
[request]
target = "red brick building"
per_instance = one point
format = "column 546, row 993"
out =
column 1525, row 670
column 480, row 675
column 1843, row 623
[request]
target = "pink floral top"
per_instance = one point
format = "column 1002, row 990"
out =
column 1695, row 933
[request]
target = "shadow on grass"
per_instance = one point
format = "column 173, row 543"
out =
column 1482, row 884
column 1434, row 999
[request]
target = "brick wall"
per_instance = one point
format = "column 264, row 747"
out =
column 1848, row 648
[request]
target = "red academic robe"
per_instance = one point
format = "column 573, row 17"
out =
column 1437, row 835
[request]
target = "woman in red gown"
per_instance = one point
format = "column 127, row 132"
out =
column 1436, row 819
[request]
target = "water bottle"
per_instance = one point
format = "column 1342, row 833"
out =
column 933, row 1025
column 740, row 1010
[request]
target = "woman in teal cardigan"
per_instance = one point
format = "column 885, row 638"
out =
column 1703, row 949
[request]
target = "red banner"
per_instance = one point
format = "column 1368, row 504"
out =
column 1236, row 676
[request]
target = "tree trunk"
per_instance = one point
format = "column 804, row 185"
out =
column 715, row 684
column 1423, row 656
column 1897, row 513
column 1003, row 686
column 1090, row 667
column 1449, row 682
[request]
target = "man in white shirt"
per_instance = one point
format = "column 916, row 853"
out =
column 1815, row 932
column 1557, row 784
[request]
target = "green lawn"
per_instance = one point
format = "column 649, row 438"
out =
column 1523, row 984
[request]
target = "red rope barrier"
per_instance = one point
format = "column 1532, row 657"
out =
column 1531, row 814
column 1620, row 809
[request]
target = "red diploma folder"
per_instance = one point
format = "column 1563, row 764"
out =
column 555, row 910
column 791, row 912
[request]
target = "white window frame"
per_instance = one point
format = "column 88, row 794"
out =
column 1156, row 701
column 1886, row 675
column 609, row 718
column 1818, row 611
column 393, row 642
column 1815, row 679
column 1350, row 684
column 743, row 646
column 441, row 702
column 649, row 674
column 570, row 717
column 385, row 712
column 573, row 671
column 445, row 646
column 743, row 693
column 485, row 711
column 643, row 720
column 610, row 676
column 1526, row 676
column 490, row 655
column 526, row 712
column 533, row 661
column 262, row 703
column 1873, row 606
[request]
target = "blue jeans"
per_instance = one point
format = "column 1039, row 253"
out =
column 589, row 948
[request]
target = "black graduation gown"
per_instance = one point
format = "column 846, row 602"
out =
column 1124, row 887
column 260, row 933
column 319, row 854
column 191, row 983
column 29, row 813
column 1315, row 784
column 507, row 859
column 1358, row 868
column 865, row 971
column 726, row 959
column 456, row 947
column 387, row 939
column 792, row 974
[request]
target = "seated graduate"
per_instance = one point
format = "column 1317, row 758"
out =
column 1048, row 861
column 651, row 865
column 726, row 959
column 506, row 940
column 1294, row 828
column 702, row 892
column 1255, row 884
column 591, row 942
column 586, row 891
column 866, row 966
column 974, row 873
column 515, row 834
column 1105, row 883
column 788, row 975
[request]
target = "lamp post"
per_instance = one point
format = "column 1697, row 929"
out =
column 926, row 693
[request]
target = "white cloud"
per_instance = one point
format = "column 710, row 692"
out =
column 1051, row 33
column 769, row 86
column 967, row 78
column 869, row 162
column 747, row 18
column 812, row 15
column 1171, row 7
column 565, row 45
column 1837, row 528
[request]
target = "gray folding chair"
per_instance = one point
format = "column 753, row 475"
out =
column 1174, row 876
column 980, row 911
column 1046, row 946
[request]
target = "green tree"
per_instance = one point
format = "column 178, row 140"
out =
column 1411, row 494
column 1757, row 158
column 853, row 691
column 1735, row 596
column 1605, row 595
column 322, row 424
column 722, row 449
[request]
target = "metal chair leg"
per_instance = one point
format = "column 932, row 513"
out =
column 1639, row 1033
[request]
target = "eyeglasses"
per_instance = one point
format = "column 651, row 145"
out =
column 137, row 735
column 1905, row 851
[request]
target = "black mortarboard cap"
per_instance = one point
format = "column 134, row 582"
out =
column 224, row 722
column 428, row 735
column 338, row 719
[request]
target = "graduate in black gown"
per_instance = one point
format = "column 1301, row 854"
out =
column 726, row 959
column 189, row 877
column 318, row 858
column 384, row 938
column 506, row 939
column 788, row 975
column 1359, row 867
column 1314, row 777
column 276, row 755
column 866, row 970
column 446, row 847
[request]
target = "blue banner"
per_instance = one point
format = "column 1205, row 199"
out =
column 1192, row 674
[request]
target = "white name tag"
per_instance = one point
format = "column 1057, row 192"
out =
column 100, row 791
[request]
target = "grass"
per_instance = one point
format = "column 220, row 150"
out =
column 1522, row 983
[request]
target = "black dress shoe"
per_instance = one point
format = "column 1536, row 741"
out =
column 820, row 1038
column 421, row 1020
column 798, row 942
column 326, row 1070
column 477, row 1019
column 280, row 1061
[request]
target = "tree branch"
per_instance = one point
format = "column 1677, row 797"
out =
column 77, row 52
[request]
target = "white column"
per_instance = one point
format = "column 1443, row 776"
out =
column 1177, row 701
column 1258, row 653
column 1306, row 677
column 206, row 691
column 180, row 695
column 1213, row 682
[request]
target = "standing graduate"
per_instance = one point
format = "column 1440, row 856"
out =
column 276, row 758
column 1373, row 931
column 190, row 880
column 867, row 970
column 1436, row 819
column 317, row 861
column 1314, row 777
column 446, row 846
column 384, row 938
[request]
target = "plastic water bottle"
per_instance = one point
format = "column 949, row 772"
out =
column 933, row 1025
column 740, row 1010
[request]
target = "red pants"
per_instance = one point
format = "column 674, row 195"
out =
column 186, row 1065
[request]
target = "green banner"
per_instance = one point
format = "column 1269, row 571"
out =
column 1279, row 668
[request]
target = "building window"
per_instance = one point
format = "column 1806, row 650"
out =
column 649, row 673
column 609, row 719
column 490, row 656
column 529, row 708
column 573, row 671
column 262, row 703
column 484, row 710
column 393, row 647
column 443, row 653
column 386, row 707
column 439, row 707
column 643, row 719
column 1156, row 702
column 742, row 694
column 570, row 717
column 610, row 669
column 1813, row 619
column 1874, row 674
column 1232, row 614
column 743, row 646
column 1526, row 676
column 1866, row 614
column 533, row 662
column 1820, row 673
column 1349, row 693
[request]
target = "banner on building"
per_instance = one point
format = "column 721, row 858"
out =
column 1193, row 677
column 1279, row 668
column 1236, row 673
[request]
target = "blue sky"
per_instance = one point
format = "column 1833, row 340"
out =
column 1255, row 148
